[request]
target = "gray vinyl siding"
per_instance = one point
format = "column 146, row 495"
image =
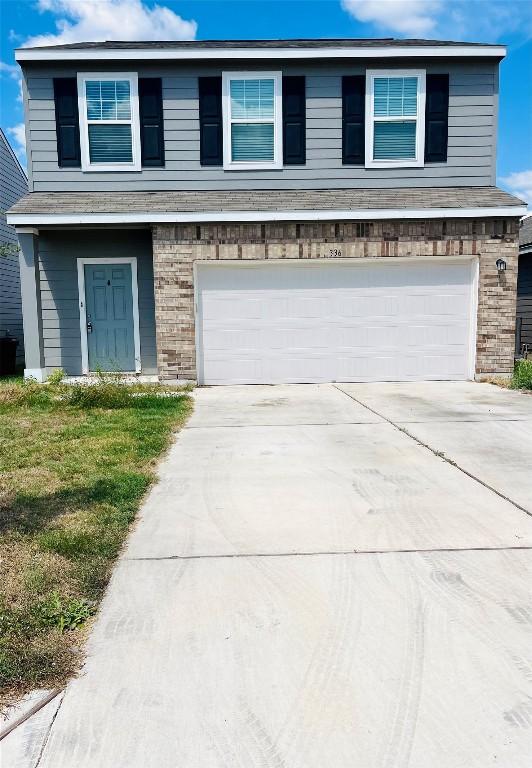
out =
column 472, row 133
column 524, row 298
column 13, row 186
column 58, row 254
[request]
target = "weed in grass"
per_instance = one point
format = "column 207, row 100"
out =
column 522, row 378
column 63, row 614
column 56, row 377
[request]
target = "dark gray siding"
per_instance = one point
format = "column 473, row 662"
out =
column 58, row 254
column 524, row 298
column 13, row 186
column 472, row 132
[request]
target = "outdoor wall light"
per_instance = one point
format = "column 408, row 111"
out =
column 501, row 265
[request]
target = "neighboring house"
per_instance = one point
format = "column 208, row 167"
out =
column 13, row 185
column 267, row 211
column 524, row 289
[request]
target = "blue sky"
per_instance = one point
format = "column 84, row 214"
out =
column 505, row 21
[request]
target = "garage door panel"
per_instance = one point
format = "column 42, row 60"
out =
column 334, row 321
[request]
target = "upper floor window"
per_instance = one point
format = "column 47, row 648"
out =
column 252, row 120
column 109, row 122
column 395, row 108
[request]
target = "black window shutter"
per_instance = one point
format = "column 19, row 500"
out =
column 353, row 111
column 67, row 122
column 210, row 115
column 437, row 118
column 151, row 121
column 294, row 120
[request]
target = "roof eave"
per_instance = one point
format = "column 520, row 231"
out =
column 70, row 219
column 187, row 54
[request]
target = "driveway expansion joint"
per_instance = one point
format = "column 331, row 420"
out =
column 295, row 424
column 438, row 454
column 342, row 553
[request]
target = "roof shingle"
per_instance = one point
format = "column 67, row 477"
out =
column 260, row 44
column 263, row 200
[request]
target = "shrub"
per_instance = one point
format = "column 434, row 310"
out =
column 522, row 378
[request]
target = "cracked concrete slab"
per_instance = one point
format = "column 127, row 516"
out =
column 316, row 489
column 368, row 660
column 437, row 401
column 499, row 453
column 283, row 405
column 484, row 429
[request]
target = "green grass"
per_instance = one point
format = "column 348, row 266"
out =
column 522, row 378
column 75, row 463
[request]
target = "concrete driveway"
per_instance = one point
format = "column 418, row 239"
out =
column 329, row 576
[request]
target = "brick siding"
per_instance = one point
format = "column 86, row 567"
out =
column 177, row 247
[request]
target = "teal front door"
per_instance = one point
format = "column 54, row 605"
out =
column 109, row 310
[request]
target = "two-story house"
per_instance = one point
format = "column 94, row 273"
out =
column 13, row 185
column 266, row 211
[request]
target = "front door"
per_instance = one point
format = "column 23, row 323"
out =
column 109, row 309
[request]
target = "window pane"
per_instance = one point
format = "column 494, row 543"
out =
column 252, row 142
column 107, row 88
column 110, row 144
column 394, row 141
column 251, row 98
column 108, row 99
column 410, row 96
column 395, row 96
column 123, row 102
column 94, row 100
column 108, row 110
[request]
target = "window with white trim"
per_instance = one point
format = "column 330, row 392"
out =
column 252, row 105
column 395, row 109
column 109, row 122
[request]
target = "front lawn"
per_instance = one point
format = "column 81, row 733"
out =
column 75, row 463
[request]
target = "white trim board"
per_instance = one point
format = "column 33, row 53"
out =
column 132, row 260
column 148, row 54
column 39, row 374
column 41, row 219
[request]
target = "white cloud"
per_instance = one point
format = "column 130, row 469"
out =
column 520, row 184
column 17, row 136
column 87, row 20
column 474, row 20
column 11, row 70
column 406, row 17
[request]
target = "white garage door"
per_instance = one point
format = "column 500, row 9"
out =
column 272, row 322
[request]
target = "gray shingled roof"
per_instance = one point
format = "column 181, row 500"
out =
column 222, row 44
column 525, row 232
column 263, row 200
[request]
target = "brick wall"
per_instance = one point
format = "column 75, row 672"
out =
column 176, row 247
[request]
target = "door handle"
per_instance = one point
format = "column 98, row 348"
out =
column 89, row 327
